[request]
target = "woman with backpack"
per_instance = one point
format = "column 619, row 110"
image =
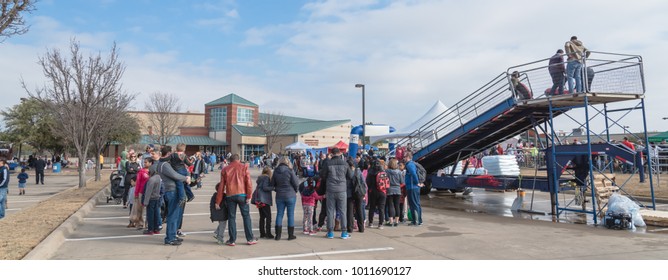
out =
column 394, row 192
column 378, row 182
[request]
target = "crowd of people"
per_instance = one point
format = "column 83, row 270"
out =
column 352, row 193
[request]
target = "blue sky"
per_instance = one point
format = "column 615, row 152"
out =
column 303, row 58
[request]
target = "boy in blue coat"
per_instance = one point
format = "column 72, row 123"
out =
column 23, row 177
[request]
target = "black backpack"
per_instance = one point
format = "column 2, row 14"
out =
column 359, row 186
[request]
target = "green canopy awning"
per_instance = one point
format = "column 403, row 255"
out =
column 659, row 137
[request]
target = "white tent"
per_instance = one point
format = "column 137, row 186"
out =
column 436, row 110
column 297, row 146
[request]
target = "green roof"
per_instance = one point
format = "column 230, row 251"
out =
column 248, row 130
column 291, row 119
column 188, row 140
column 231, row 99
column 297, row 126
column 659, row 137
column 306, row 127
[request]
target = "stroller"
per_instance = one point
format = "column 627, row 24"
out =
column 116, row 189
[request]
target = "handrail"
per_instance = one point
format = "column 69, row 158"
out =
column 613, row 73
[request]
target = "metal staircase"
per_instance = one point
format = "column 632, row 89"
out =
column 494, row 113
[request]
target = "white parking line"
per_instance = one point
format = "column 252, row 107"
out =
column 121, row 205
column 143, row 235
column 125, row 217
column 24, row 201
column 322, row 253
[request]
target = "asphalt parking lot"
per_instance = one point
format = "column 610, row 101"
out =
column 478, row 227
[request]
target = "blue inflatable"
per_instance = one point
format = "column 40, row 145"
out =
column 353, row 145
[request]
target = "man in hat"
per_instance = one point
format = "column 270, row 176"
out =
column 336, row 173
column 150, row 149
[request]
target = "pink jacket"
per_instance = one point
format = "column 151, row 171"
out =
column 310, row 200
column 142, row 178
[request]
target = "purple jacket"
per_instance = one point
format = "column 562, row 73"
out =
column 557, row 64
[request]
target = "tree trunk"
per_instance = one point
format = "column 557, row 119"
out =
column 98, row 176
column 82, row 172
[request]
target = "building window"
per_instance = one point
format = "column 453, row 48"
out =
column 244, row 115
column 252, row 152
column 218, row 119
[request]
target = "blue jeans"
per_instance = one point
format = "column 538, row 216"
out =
column 153, row 219
column 414, row 205
column 3, row 200
column 173, row 212
column 281, row 204
column 574, row 71
column 232, row 203
column 194, row 178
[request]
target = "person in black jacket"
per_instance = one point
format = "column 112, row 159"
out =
column 285, row 184
column 263, row 202
column 355, row 202
column 40, row 164
column 557, row 70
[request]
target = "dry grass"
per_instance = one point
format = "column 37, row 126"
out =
column 26, row 229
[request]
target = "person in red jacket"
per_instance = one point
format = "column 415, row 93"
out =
column 235, row 183
column 138, row 208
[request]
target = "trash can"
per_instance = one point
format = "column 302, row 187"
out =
column 56, row 167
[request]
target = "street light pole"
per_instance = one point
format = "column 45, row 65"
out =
column 363, row 117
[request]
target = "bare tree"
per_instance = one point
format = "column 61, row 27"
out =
column 119, row 126
column 80, row 92
column 11, row 17
column 163, row 117
column 272, row 125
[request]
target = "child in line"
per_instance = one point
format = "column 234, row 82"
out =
column 131, row 201
column 151, row 200
column 142, row 178
column 263, row 202
column 309, row 197
column 23, row 177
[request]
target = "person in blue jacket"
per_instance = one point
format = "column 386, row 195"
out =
column 23, row 178
column 4, row 185
column 413, row 190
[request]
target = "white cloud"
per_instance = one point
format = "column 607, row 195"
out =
column 232, row 14
column 431, row 50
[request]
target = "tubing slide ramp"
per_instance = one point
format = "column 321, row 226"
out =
column 501, row 109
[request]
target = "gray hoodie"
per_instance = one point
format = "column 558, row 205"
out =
column 168, row 175
column 152, row 188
